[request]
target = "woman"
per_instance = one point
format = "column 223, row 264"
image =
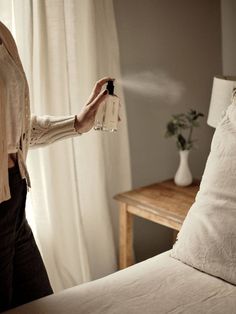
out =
column 23, row 276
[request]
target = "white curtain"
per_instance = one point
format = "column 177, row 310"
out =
column 65, row 46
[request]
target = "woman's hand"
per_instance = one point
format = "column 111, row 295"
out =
column 85, row 120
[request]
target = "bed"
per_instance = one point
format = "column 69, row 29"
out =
column 197, row 276
column 160, row 284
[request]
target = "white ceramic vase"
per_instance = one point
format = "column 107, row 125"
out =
column 183, row 176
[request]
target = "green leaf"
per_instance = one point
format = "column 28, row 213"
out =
column 181, row 141
column 171, row 128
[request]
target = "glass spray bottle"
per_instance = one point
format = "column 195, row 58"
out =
column 108, row 112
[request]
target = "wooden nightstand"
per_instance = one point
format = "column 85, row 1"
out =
column 163, row 203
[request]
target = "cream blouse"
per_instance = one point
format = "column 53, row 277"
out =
column 14, row 83
column 18, row 129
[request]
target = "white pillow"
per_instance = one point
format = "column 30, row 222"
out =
column 207, row 240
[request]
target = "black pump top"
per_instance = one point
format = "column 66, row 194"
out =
column 110, row 87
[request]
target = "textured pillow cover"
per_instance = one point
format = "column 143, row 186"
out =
column 207, row 240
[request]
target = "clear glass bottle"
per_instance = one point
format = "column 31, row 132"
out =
column 108, row 113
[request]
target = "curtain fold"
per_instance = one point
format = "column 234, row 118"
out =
column 65, row 47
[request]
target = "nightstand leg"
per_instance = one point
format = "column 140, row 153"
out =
column 126, row 237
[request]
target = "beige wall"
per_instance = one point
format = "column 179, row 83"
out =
column 180, row 42
column 228, row 15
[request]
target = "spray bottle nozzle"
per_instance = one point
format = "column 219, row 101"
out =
column 110, row 87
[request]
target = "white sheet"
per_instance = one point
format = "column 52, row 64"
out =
column 158, row 285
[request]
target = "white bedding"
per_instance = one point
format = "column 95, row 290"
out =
column 207, row 239
column 158, row 285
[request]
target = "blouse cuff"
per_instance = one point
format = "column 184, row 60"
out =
column 49, row 129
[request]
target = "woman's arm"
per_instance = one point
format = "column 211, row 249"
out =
column 49, row 129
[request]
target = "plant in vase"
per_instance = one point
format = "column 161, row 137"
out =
column 181, row 126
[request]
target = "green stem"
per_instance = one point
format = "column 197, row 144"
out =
column 190, row 134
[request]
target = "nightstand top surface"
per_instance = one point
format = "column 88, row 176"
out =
column 162, row 198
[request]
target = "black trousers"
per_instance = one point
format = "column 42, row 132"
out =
column 23, row 276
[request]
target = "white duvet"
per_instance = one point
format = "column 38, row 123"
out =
column 158, row 285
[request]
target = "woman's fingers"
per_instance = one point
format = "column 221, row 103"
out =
column 98, row 87
column 104, row 80
column 98, row 100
